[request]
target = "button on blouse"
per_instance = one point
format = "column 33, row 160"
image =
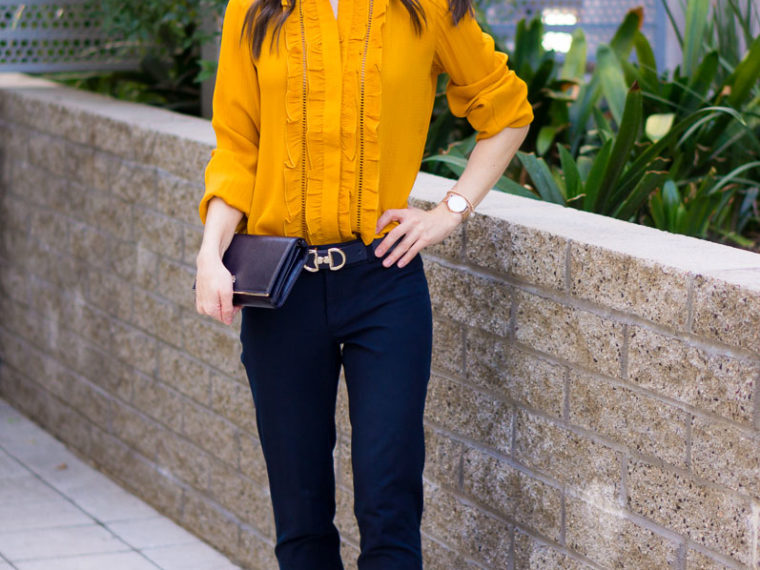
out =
column 322, row 133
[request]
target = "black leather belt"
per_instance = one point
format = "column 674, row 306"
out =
column 339, row 255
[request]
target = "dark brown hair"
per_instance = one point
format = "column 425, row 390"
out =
column 263, row 12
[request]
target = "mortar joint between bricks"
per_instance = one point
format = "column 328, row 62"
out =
column 756, row 402
column 690, row 304
column 568, row 273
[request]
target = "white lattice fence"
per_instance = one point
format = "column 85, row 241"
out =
column 598, row 18
column 57, row 35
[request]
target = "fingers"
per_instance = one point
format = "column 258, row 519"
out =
column 410, row 238
column 387, row 217
column 226, row 309
column 213, row 297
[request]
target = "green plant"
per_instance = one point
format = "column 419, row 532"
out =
column 678, row 150
column 167, row 36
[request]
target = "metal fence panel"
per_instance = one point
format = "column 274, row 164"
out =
column 57, row 35
column 598, row 18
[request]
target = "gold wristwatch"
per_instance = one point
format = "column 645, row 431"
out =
column 458, row 204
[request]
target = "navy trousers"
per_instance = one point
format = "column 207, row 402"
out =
column 375, row 322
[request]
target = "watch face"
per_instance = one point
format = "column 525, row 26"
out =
column 457, row 203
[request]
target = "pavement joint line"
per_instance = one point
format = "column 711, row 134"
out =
column 129, row 547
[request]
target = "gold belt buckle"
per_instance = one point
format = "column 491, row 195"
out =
column 329, row 259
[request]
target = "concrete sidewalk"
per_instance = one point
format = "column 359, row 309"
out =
column 58, row 513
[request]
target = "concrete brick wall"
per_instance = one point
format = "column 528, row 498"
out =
column 594, row 398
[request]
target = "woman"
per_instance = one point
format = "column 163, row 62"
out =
column 321, row 112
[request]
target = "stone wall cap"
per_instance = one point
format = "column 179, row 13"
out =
column 698, row 256
column 136, row 114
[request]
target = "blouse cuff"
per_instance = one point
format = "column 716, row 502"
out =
column 497, row 101
column 229, row 179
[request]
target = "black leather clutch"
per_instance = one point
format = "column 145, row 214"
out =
column 264, row 268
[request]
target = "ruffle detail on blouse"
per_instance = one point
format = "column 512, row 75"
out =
column 304, row 130
column 360, row 145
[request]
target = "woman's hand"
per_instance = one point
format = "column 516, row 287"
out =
column 213, row 283
column 213, row 290
column 416, row 229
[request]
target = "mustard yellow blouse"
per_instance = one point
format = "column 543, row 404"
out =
column 319, row 136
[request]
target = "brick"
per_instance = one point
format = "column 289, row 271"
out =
column 248, row 500
column 109, row 293
column 13, row 284
column 157, row 316
column 192, row 236
column 470, row 413
column 342, row 420
column 443, row 459
column 178, row 198
column 344, row 473
column 33, row 185
column 65, row 422
column 252, row 463
column 448, row 353
column 184, row 374
column 183, row 460
column 610, row 539
column 569, row 333
column 349, row 553
column 136, row 430
column 101, row 368
column 134, row 347
column 711, row 381
column 256, row 552
column 206, row 520
column 211, row 432
column 345, row 520
column 695, row 560
column 531, row 255
column 726, row 312
column 135, row 264
column 465, row 528
column 90, row 401
column 234, row 401
column 634, row 420
column 591, row 469
column 159, row 402
column 18, row 215
column 175, row 282
column 710, row 517
column 180, row 155
column 469, row 299
column 49, row 153
column 436, row 556
column 101, row 173
column 112, row 216
column 634, row 286
column 531, row 554
column 512, row 493
column 135, row 472
column 79, row 161
column 134, row 183
column 451, row 248
column 726, row 455
column 88, row 245
column 158, row 233
column 212, row 343
column 489, row 243
column 119, row 137
column 494, row 363
column 48, row 227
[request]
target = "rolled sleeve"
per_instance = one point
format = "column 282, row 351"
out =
column 481, row 86
column 231, row 172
